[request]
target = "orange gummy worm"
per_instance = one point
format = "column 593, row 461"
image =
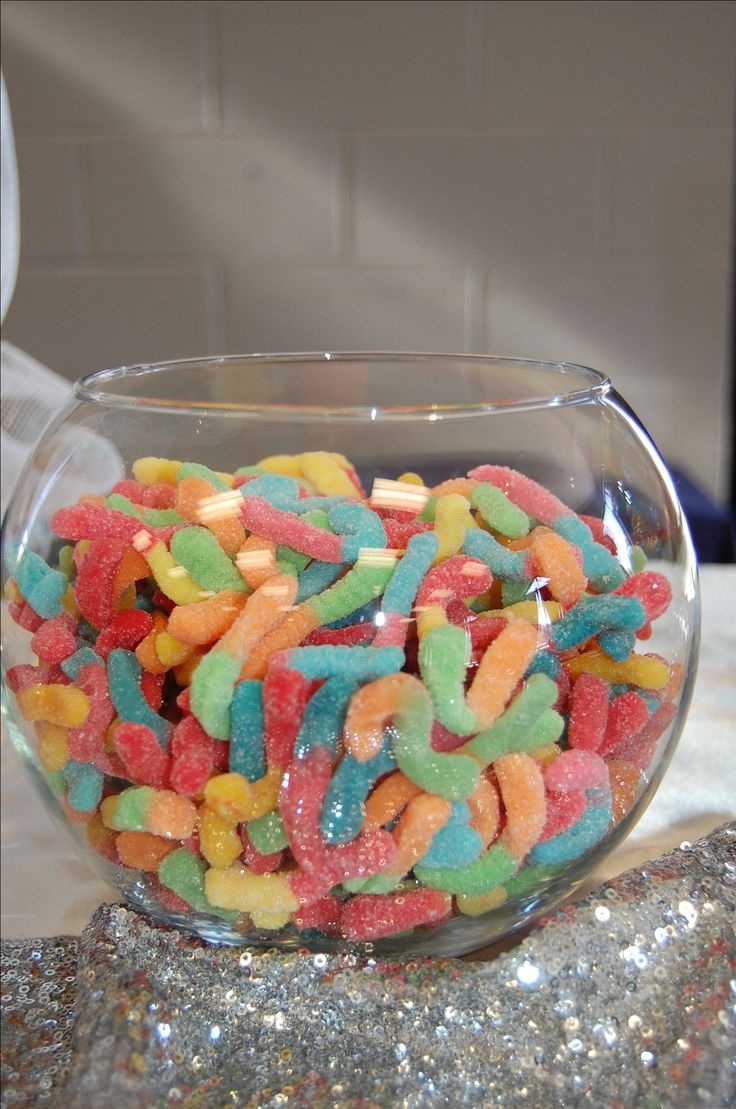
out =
column 388, row 799
column 625, row 780
column 193, row 495
column 145, row 652
column 256, row 560
column 522, row 789
column 462, row 485
column 555, row 559
column 205, row 621
column 263, row 610
column 485, row 810
column 295, row 627
column 131, row 568
column 141, row 850
column 422, row 819
column 501, row 668
column 370, row 710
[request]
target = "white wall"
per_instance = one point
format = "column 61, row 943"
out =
column 543, row 179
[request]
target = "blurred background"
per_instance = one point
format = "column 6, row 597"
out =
column 550, row 180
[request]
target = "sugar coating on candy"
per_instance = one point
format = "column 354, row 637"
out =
column 500, row 513
column 247, row 751
column 324, row 716
column 313, row 778
column 444, row 654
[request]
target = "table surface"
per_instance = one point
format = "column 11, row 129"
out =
column 48, row 890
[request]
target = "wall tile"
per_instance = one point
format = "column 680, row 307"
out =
column 344, row 308
column 290, row 61
column 117, row 65
column 609, row 60
column 450, row 196
column 48, row 178
column 654, row 331
column 78, row 321
column 237, row 199
column 665, row 193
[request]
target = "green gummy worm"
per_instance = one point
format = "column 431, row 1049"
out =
column 517, row 729
column 267, row 833
column 197, row 550
column 499, row 512
column 446, row 774
column 183, row 872
column 131, row 808
column 492, row 869
column 359, row 586
column 444, row 655
column 211, row 691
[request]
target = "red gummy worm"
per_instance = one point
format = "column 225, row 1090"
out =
column 192, row 757
column 370, row 916
column 285, row 695
column 588, row 713
column 627, row 715
column 125, row 630
column 55, row 640
column 145, row 760
column 259, row 516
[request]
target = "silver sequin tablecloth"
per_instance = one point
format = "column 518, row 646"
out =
column 626, row 998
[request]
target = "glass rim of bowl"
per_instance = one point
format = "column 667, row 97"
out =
column 584, row 384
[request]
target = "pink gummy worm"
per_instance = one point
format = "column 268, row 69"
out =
column 95, row 521
column 526, row 493
column 272, row 523
column 576, row 770
column 321, row 867
column 393, row 632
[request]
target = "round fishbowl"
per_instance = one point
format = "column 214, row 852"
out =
column 379, row 650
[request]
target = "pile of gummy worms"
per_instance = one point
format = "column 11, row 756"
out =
column 281, row 701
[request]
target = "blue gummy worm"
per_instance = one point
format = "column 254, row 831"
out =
column 343, row 809
column 509, row 565
column 360, row 527
column 456, row 844
column 317, row 577
column 85, row 656
column 359, row 663
column 84, row 785
column 124, row 677
column 578, row 839
column 247, row 749
column 600, row 566
column 324, row 717
column 595, row 614
column 402, row 589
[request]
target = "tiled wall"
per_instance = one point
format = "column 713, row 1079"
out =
column 545, row 179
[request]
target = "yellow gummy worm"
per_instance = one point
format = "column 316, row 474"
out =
column 504, row 663
column 475, row 904
column 218, row 838
column 240, row 889
column 531, row 611
column 326, row 475
column 64, row 705
column 451, row 520
column 236, row 799
column 163, row 471
column 647, row 673
column 411, row 478
column 171, row 651
column 171, row 578
column 428, row 618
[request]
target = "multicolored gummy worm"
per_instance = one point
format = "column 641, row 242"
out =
column 286, row 704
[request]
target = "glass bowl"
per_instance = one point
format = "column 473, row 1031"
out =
column 318, row 650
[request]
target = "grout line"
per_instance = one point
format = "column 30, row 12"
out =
column 474, row 59
column 342, row 231
column 209, row 68
column 82, row 201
